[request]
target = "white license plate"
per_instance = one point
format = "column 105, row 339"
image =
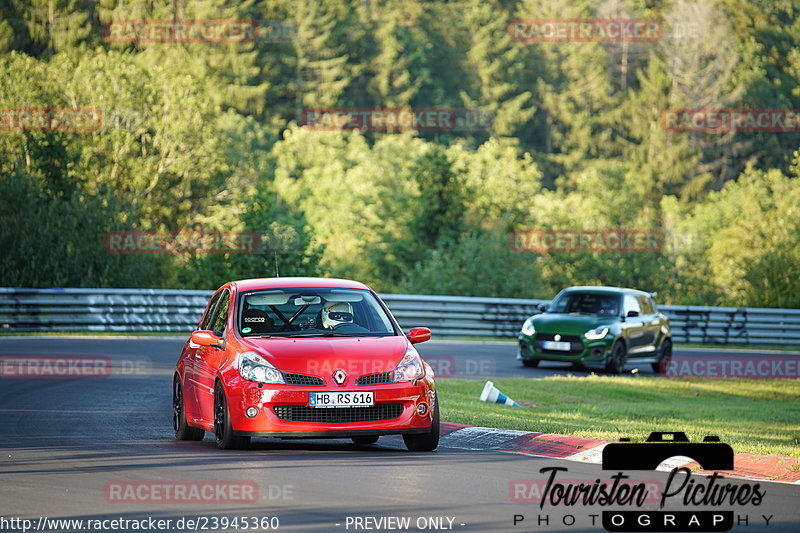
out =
column 341, row 399
column 556, row 345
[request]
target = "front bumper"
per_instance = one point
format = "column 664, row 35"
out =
column 243, row 394
column 592, row 351
column 329, row 434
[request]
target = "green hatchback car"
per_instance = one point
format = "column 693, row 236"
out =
column 590, row 326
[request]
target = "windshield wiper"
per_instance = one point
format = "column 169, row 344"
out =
column 337, row 334
column 266, row 336
column 328, row 334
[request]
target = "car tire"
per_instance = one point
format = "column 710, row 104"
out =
column 425, row 442
column 223, row 431
column 183, row 431
column 365, row 440
column 530, row 363
column 664, row 359
column 615, row 363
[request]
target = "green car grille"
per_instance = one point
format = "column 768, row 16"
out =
column 576, row 345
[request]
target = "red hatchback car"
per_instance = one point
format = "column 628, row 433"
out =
column 303, row 357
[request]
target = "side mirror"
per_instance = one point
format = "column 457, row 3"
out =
column 417, row 335
column 632, row 313
column 542, row 307
column 204, row 337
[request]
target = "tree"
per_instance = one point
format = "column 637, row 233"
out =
column 55, row 239
column 499, row 181
column 400, row 70
column 44, row 27
column 319, row 69
column 661, row 159
column 599, row 197
column 497, row 68
column 743, row 242
column 476, row 264
column 573, row 93
column 701, row 59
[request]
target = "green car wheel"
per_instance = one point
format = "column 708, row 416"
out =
column 615, row 363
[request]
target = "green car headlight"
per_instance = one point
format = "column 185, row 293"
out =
column 596, row 333
column 527, row 327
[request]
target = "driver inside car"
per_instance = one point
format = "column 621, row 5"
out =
column 336, row 315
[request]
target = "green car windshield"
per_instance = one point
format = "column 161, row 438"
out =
column 586, row 303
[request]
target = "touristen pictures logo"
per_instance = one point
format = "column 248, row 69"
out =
column 688, row 500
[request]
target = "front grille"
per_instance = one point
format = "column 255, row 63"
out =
column 302, row 379
column 576, row 345
column 376, row 379
column 342, row 415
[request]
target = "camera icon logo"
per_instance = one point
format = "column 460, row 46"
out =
column 711, row 454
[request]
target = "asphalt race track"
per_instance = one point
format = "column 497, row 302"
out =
column 73, row 448
column 459, row 359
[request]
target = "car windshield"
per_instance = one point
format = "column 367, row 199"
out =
column 313, row 312
column 586, row 303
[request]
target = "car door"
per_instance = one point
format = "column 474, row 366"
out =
column 208, row 359
column 189, row 356
column 633, row 326
column 650, row 325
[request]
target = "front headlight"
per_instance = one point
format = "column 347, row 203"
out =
column 253, row 367
column 527, row 327
column 596, row 333
column 410, row 367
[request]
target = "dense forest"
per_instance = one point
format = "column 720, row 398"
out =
column 215, row 135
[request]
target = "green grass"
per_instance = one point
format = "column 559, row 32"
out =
column 755, row 347
column 754, row 416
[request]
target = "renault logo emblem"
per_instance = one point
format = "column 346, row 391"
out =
column 339, row 377
column 557, row 337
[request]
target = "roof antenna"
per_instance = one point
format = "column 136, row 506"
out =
column 275, row 252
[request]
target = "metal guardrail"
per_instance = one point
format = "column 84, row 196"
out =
column 25, row 310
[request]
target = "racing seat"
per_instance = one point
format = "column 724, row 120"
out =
column 258, row 321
